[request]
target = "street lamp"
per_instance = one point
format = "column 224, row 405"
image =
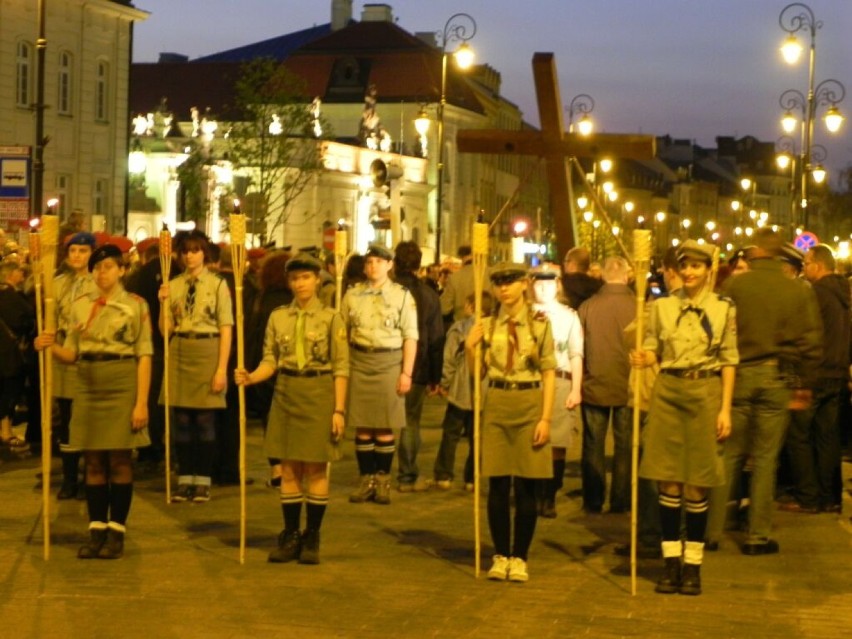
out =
column 793, row 18
column 581, row 105
column 460, row 27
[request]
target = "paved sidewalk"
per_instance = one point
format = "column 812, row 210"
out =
column 404, row 570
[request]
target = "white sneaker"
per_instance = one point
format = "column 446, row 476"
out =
column 444, row 484
column 518, row 569
column 499, row 568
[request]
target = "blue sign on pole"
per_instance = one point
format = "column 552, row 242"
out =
column 14, row 186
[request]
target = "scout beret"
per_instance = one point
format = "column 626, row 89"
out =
column 790, row 254
column 83, row 238
column 694, row 250
column 105, row 251
column 303, row 262
column 145, row 244
column 377, row 250
column 507, row 272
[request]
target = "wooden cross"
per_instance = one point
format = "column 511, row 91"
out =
column 555, row 145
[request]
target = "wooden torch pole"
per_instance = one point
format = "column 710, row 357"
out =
column 165, row 274
column 341, row 250
column 641, row 264
column 49, row 240
column 237, row 226
column 35, row 259
column 480, row 261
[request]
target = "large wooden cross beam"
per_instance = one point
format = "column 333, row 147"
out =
column 555, row 145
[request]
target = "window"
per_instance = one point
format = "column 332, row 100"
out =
column 63, row 192
column 102, row 92
column 23, row 85
column 101, row 197
column 63, row 99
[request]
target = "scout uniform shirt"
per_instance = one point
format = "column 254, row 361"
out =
column 379, row 317
column 68, row 288
column 115, row 325
column 529, row 346
column 202, row 310
column 324, row 340
column 567, row 332
column 693, row 335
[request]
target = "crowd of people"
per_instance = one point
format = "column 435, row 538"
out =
column 743, row 371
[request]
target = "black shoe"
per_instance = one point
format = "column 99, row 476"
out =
column 68, row 490
column 669, row 583
column 310, row 547
column 114, row 546
column 690, row 581
column 97, row 538
column 769, row 547
column 548, row 509
column 289, row 547
column 643, row 551
column 184, row 492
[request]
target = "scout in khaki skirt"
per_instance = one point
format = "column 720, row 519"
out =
column 305, row 343
column 110, row 340
column 692, row 335
column 198, row 305
column 520, row 364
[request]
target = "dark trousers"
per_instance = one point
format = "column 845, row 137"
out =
column 409, row 437
column 595, row 424
column 156, row 414
column 457, row 422
column 813, row 443
column 226, row 464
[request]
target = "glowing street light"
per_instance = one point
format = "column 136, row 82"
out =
column 581, row 105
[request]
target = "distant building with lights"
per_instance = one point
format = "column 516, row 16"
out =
column 87, row 64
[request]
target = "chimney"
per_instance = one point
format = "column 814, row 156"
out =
column 377, row 13
column 341, row 14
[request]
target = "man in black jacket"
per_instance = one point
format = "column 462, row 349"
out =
column 427, row 364
column 814, row 437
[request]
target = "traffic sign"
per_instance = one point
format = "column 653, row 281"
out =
column 806, row 240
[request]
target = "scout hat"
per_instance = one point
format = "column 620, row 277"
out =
column 544, row 272
column 793, row 256
column 105, row 251
column 507, row 272
column 83, row 238
column 377, row 250
column 303, row 262
column 694, row 250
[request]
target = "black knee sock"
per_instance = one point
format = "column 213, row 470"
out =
column 291, row 507
column 316, row 505
column 120, row 496
column 97, row 501
column 70, row 467
column 206, row 446
column 696, row 519
column 365, row 453
column 670, row 516
column 384, row 456
column 498, row 513
column 558, row 475
column 525, row 516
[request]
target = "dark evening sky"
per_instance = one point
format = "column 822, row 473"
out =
column 689, row 68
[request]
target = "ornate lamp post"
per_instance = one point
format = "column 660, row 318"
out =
column 797, row 17
column 460, row 27
column 581, row 105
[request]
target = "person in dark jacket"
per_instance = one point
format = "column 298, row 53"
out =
column 17, row 318
column 428, row 362
column 814, row 438
column 577, row 284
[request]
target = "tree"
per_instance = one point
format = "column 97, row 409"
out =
column 276, row 140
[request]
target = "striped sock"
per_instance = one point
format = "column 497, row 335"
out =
column 384, row 456
column 670, row 516
column 291, row 508
column 696, row 519
column 365, row 453
column 316, row 505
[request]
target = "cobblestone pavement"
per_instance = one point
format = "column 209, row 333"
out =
column 404, row 570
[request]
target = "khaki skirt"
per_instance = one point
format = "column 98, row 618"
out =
column 192, row 363
column 508, row 424
column 64, row 380
column 679, row 441
column 103, row 407
column 565, row 424
column 373, row 402
column 299, row 426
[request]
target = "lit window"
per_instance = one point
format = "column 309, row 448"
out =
column 23, row 82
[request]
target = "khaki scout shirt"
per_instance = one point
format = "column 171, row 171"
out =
column 326, row 347
column 68, row 288
column 535, row 352
column 117, row 325
column 694, row 335
column 212, row 307
column 379, row 317
column 567, row 332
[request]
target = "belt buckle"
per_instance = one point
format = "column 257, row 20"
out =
column 513, row 385
column 692, row 374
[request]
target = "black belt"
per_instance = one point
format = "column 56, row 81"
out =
column 563, row 374
column 307, row 372
column 504, row 385
column 104, row 357
column 688, row 373
column 191, row 335
column 771, row 361
column 373, row 349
